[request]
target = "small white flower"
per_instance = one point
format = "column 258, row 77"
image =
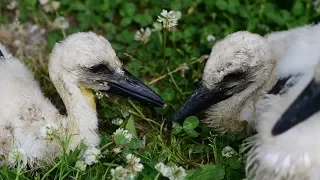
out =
column 178, row 173
column 117, row 121
column 134, row 164
column 80, row 165
column 228, row 152
column 119, row 173
column 99, row 95
column 156, row 26
column 123, row 132
column 163, row 169
column 17, row 43
column 211, row 38
column 47, row 8
column 61, row 23
column 13, row 5
column 91, row 155
column 17, row 155
column 43, row 2
column 178, row 14
column 55, row 5
column 117, row 150
column 143, row 35
column 168, row 19
column 49, row 131
column 125, row 112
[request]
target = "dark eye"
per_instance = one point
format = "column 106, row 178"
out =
column 234, row 76
column 98, row 68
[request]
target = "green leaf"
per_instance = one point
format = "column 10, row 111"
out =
column 177, row 128
column 128, row 9
column 134, row 143
column 120, row 139
column 130, row 126
column 126, row 21
column 235, row 164
column 221, row 4
column 143, row 19
column 191, row 122
column 168, row 94
column 298, row 8
column 207, row 172
column 191, row 132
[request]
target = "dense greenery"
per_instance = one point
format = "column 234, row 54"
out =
column 171, row 62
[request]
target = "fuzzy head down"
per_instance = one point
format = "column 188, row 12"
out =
column 239, row 52
column 81, row 52
column 243, row 63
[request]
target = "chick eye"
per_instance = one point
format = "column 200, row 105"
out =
column 98, row 68
column 234, row 76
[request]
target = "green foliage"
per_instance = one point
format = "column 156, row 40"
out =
column 158, row 63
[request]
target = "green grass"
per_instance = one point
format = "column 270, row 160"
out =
column 159, row 63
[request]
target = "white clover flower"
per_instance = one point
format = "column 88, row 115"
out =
column 13, row 5
column 99, row 95
column 134, row 164
column 168, row 19
column 178, row 173
column 157, row 26
column 81, row 165
column 117, row 150
column 61, row 23
column 119, row 173
column 43, row 2
column 49, row 5
column 178, row 14
column 55, row 5
column 228, row 152
column 143, row 35
column 123, row 132
column 49, row 131
column 125, row 112
column 163, row 169
column 117, row 121
column 47, row 8
column 211, row 38
column 91, row 155
column 17, row 155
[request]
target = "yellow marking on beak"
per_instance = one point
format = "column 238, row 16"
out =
column 89, row 96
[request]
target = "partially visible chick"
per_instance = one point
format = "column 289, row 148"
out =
column 279, row 153
column 241, row 68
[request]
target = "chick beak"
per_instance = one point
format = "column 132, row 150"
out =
column 128, row 86
column 304, row 106
column 202, row 98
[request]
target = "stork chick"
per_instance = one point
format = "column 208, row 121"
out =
column 240, row 70
column 82, row 62
column 285, row 148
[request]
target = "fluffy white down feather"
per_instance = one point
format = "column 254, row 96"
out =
column 24, row 111
column 292, row 155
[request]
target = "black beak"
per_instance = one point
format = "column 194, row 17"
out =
column 1, row 54
column 128, row 86
column 201, row 99
column 301, row 109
